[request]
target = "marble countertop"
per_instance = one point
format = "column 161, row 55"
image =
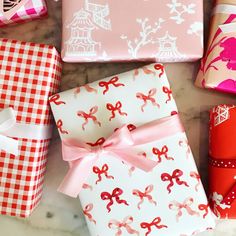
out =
column 62, row 216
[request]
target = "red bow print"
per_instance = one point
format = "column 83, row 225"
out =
column 116, row 195
column 143, row 195
column 87, row 213
column 163, row 152
column 155, row 223
column 87, row 186
column 55, row 99
column 90, row 115
column 180, row 206
column 87, row 87
column 130, row 127
column 99, row 142
column 205, row 208
column 117, row 225
column 196, row 176
column 112, row 81
column 59, row 126
column 175, row 176
column 115, row 108
column 168, row 92
column 161, row 68
column 101, row 172
column 147, row 98
column 184, row 144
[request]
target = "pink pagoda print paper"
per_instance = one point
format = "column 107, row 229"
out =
column 218, row 67
column 127, row 30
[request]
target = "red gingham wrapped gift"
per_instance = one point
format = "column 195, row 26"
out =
column 29, row 74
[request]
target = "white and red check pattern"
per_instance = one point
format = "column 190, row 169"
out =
column 29, row 74
column 33, row 9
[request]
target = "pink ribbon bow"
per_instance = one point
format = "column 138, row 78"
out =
column 143, row 195
column 82, row 157
column 175, row 176
column 115, row 224
column 177, row 206
column 87, row 212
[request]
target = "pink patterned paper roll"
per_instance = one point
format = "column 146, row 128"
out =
column 17, row 11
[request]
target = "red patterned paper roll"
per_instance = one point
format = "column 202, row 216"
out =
column 222, row 163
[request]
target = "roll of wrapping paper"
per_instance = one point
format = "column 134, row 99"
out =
column 222, row 161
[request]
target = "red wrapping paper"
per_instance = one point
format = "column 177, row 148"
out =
column 29, row 74
column 222, row 164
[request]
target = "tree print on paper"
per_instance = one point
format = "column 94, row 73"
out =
column 145, row 36
column 197, row 29
column 178, row 10
column 225, row 55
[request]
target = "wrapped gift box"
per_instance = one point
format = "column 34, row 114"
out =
column 15, row 11
column 29, row 74
column 218, row 68
column 222, row 162
column 97, row 30
column 169, row 200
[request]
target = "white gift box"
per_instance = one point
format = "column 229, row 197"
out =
column 119, row 199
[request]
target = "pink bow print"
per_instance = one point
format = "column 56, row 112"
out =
column 175, row 176
column 184, row 144
column 116, row 108
column 143, row 195
column 90, row 115
column 101, row 172
column 196, row 176
column 115, row 224
column 163, row 152
column 87, row 87
column 112, row 81
column 87, row 213
column 176, row 206
column 155, row 223
column 116, row 193
column 149, row 97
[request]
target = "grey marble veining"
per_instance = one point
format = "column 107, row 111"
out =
column 59, row 215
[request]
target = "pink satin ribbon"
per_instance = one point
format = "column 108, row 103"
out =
column 121, row 144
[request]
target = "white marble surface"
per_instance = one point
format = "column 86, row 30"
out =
column 59, row 215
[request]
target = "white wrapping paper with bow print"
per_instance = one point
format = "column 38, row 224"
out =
column 119, row 198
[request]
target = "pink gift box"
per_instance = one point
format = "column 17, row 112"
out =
column 98, row 30
column 13, row 12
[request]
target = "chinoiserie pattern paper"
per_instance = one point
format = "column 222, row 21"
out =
column 157, row 31
column 168, row 201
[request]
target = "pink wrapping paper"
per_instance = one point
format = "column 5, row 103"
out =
column 218, row 67
column 108, row 30
column 12, row 11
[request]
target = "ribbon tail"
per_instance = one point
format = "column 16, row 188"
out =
column 77, row 175
column 136, row 160
column 9, row 145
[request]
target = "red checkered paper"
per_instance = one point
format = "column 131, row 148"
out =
column 29, row 74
